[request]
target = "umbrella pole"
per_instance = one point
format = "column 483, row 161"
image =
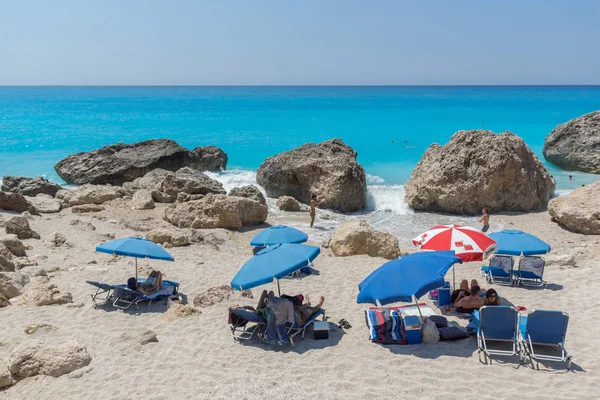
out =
column 278, row 289
column 136, row 274
column 418, row 308
column 453, row 279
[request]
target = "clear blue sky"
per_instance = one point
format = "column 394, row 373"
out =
column 274, row 42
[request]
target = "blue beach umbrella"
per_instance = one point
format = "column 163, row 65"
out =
column 405, row 278
column 278, row 234
column 135, row 247
column 516, row 243
column 273, row 262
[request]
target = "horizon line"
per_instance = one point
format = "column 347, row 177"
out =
column 303, row 85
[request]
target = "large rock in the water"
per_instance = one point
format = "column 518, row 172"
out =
column 328, row 169
column 166, row 185
column 16, row 202
column 29, row 186
column 121, row 162
column 578, row 211
column 250, row 192
column 44, row 359
column 217, row 211
column 575, row 145
column 479, row 169
column 357, row 237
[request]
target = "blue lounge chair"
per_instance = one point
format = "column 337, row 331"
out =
column 497, row 324
column 500, row 270
column 295, row 330
column 545, row 330
column 241, row 318
column 101, row 289
column 531, row 272
column 125, row 297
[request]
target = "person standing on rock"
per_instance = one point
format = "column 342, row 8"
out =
column 313, row 205
column 485, row 218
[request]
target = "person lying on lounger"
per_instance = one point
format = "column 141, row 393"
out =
column 469, row 298
column 152, row 283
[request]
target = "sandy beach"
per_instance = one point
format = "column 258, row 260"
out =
column 196, row 357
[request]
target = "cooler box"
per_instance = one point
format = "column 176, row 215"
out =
column 443, row 297
column 413, row 329
column 321, row 329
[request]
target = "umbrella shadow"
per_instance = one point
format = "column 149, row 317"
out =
column 301, row 346
column 463, row 348
column 251, row 228
column 155, row 307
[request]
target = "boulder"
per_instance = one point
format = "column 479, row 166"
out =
column 217, row 211
column 29, row 186
column 213, row 296
column 575, row 145
column 578, row 211
column 5, row 376
column 357, row 237
column 16, row 202
column 142, row 200
column 5, row 260
column 94, row 194
column 119, row 163
column 288, row 203
column 20, row 227
column 561, row 259
column 45, row 204
column 56, row 239
column 479, row 169
column 167, row 185
column 9, row 287
column 328, row 169
column 14, row 245
column 45, row 294
column 250, row 192
column 82, row 224
column 165, row 236
column 86, row 208
column 3, row 303
column 44, row 359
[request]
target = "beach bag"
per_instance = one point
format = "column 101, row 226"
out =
column 429, row 332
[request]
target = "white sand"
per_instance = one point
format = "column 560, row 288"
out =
column 197, row 358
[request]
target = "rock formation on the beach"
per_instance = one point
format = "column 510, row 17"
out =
column 11, row 284
column 357, row 237
column 288, row 203
column 328, row 169
column 45, row 204
column 29, row 186
column 578, row 211
column 5, row 375
column 6, row 256
column 142, row 200
column 20, row 227
column 16, row 202
column 179, row 310
column 121, row 162
column 168, row 237
column 575, row 145
column 86, row 208
column 14, row 245
column 166, row 185
column 217, row 211
column 135, row 337
column 44, row 294
column 211, row 237
column 250, row 192
column 56, row 239
column 213, row 296
column 479, row 169
column 44, row 359
column 92, row 194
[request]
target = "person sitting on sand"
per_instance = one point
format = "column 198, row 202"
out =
column 468, row 298
column 485, row 218
column 314, row 203
column 152, row 284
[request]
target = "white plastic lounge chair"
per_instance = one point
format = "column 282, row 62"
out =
column 531, row 272
column 543, row 331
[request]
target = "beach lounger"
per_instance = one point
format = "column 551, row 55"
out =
column 101, row 289
column 500, row 270
column 545, row 332
column 295, row 330
column 531, row 272
column 125, row 297
column 497, row 324
column 247, row 324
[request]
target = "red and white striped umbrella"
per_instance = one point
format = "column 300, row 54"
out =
column 470, row 244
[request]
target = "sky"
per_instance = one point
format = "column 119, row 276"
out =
column 299, row 42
